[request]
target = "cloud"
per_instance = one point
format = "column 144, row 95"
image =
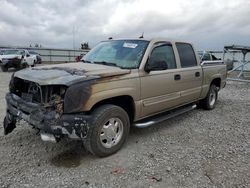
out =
column 209, row 24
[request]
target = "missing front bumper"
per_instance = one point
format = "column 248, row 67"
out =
column 74, row 126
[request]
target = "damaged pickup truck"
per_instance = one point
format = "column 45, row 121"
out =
column 120, row 83
column 17, row 59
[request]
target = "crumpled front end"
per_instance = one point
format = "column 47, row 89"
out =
column 11, row 62
column 43, row 108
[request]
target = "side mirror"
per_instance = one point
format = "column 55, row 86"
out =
column 27, row 55
column 155, row 65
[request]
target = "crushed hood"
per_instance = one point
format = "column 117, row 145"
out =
column 10, row 56
column 68, row 73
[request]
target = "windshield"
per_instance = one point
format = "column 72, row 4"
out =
column 200, row 54
column 11, row 52
column 32, row 52
column 120, row 53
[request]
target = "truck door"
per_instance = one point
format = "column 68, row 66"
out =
column 190, row 72
column 160, row 89
column 29, row 58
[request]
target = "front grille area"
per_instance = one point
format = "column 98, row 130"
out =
column 33, row 92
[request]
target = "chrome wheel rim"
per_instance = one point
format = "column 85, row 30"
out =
column 111, row 132
column 212, row 98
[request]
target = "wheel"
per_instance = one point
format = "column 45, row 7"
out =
column 24, row 65
column 33, row 63
column 4, row 68
column 210, row 101
column 108, row 130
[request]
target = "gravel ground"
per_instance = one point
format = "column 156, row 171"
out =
column 198, row 149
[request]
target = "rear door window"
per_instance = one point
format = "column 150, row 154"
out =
column 186, row 54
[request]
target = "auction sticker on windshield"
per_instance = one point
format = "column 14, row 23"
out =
column 129, row 45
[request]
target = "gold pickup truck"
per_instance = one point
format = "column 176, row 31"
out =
column 118, row 84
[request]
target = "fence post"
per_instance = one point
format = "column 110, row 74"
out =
column 50, row 57
column 69, row 55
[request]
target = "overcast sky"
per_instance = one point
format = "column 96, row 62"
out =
column 208, row 24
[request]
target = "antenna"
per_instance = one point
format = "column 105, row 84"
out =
column 141, row 37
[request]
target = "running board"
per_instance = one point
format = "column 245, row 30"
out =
column 164, row 116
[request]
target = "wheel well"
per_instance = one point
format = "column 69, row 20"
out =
column 125, row 102
column 216, row 82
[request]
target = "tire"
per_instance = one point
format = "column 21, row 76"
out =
column 24, row 66
column 4, row 68
column 33, row 63
column 210, row 101
column 108, row 130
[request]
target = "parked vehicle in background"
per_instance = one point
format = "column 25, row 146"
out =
column 38, row 56
column 230, row 64
column 1, row 51
column 120, row 83
column 78, row 58
column 209, row 56
column 16, row 58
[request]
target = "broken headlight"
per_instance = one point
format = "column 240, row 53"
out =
column 57, row 98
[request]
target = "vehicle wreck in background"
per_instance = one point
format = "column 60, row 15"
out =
column 37, row 55
column 120, row 83
column 210, row 56
column 16, row 58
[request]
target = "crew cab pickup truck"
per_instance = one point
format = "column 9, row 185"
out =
column 119, row 84
column 16, row 58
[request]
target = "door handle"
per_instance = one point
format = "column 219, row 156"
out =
column 197, row 74
column 177, row 77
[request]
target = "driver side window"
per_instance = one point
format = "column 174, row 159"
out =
column 164, row 54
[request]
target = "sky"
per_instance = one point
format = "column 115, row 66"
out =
column 208, row 24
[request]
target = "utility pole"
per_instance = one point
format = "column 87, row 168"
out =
column 74, row 40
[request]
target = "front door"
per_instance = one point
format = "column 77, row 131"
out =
column 160, row 89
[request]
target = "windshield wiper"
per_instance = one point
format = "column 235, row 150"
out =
column 106, row 63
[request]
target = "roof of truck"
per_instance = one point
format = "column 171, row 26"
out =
column 155, row 39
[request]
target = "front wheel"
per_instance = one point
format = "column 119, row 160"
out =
column 4, row 68
column 211, row 99
column 108, row 131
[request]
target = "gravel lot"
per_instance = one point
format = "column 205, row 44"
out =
column 198, row 149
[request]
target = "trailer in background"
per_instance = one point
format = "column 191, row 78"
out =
column 242, row 69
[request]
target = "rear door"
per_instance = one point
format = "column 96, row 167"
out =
column 191, row 73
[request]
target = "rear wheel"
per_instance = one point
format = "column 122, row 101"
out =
column 211, row 99
column 108, row 130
